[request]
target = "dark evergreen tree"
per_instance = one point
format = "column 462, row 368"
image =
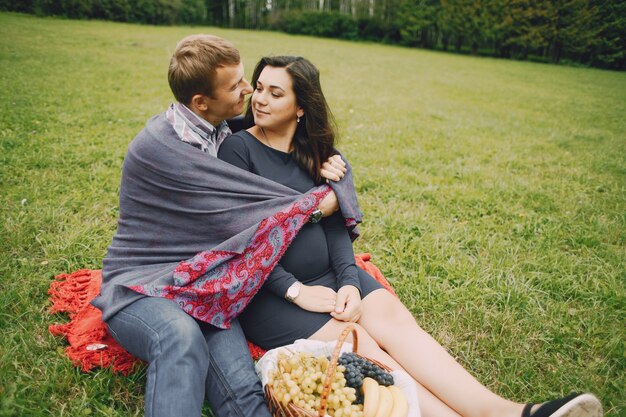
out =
column 590, row 32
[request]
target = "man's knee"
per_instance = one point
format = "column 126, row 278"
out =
column 182, row 336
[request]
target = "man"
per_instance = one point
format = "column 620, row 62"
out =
column 188, row 360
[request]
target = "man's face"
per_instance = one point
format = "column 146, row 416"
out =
column 229, row 92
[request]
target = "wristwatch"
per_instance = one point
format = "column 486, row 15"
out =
column 293, row 291
column 316, row 216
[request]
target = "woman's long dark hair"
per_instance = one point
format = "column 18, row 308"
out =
column 314, row 140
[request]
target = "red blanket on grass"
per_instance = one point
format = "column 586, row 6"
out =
column 90, row 344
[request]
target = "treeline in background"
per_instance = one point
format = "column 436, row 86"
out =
column 586, row 32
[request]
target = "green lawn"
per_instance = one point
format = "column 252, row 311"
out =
column 494, row 194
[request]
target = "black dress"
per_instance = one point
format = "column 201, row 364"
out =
column 321, row 254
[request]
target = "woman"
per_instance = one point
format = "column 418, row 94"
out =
column 292, row 133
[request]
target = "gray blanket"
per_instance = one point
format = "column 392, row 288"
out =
column 179, row 205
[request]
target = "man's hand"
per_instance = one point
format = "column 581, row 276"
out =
column 316, row 298
column 329, row 204
column 348, row 305
column 334, row 169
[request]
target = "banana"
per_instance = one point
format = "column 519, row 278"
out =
column 400, row 404
column 385, row 402
column 370, row 397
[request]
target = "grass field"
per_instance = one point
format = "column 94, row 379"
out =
column 494, row 194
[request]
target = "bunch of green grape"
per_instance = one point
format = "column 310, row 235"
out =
column 299, row 379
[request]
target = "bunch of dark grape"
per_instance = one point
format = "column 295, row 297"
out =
column 358, row 368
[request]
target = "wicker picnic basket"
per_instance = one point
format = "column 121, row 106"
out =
column 291, row 410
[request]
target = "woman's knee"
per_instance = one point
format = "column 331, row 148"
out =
column 333, row 328
column 364, row 339
column 381, row 306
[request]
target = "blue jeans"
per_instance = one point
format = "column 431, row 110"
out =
column 189, row 361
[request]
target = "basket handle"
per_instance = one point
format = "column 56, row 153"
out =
column 332, row 365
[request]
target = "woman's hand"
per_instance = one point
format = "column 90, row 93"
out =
column 348, row 304
column 334, row 169
column 329, row 204
column 316, row 298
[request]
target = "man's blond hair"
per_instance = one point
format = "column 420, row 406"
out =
column 194, row 63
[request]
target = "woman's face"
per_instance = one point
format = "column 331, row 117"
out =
column 274, row 101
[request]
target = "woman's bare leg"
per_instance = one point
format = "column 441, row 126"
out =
column 430, row 405
column 395, row 330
